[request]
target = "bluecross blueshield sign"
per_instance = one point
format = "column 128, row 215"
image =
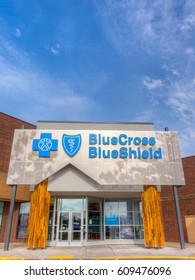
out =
column 101, row 146
column 145, row 147
column 71, row 144
column 108, row 157
column 45, row 145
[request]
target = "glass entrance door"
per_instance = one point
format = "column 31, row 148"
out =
column 63, row 227
column 70, row 228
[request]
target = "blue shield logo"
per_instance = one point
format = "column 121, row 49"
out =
column 71, row 144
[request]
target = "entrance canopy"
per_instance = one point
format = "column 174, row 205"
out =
column 109, row 157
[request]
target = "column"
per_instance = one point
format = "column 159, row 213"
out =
column 152, row 218
column 39, row 215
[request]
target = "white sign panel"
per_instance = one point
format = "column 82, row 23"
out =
column 108, row 157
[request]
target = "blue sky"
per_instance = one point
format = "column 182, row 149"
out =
column 100, row 60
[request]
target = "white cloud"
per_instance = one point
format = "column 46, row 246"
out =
column 141, row 23
column 164, row 31
column 8, row 50
column 55, row 50
column 182, row 105
column 18, row 32
column 189, row 50
column 171, row 69
column 188, row 23
column 147, row 24
column 152, row 84
column 187, row 140
column 41, row 90
column 190, row 54
column 33, row 91
column 176, row 110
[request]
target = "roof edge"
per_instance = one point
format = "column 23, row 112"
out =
column 95, row 122
column 17, row 118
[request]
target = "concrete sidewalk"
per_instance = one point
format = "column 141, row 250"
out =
column 170, row 251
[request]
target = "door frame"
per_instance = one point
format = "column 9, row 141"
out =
column 70, row 229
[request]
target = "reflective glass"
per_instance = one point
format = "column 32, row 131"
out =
column 138, row 218
column 1, row 207
column 126, row 218
column 137, row 205
column 23, row 220
column 94, row 229
column 93, row 218
column 111, row 206
column 55, row 232
column 21, row 233
column 63, row 236
column 76, row 236
column 111, row 219
column 93, row 232
column 49, row 233
column 76, row 221
column 125, row 206
column 64, row 221
column 112, row 232
column 139, row 232
column 94, row 204
column 126, row 232
column 24, row 207
column 71, row 204
column 50, row 217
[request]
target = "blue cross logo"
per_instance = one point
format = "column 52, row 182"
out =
column 45, row 145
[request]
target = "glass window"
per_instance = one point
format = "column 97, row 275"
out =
column 137, row 205
column 94, row 204
column 63, row 236
column 25, row 207
column 51, row 218
column 94, row 232
column 125, row 206
column 126, row 218
column 1, row 212
column 50, row 223
column 112, row 232
column 23, row 220
column 126, row 232
column 93, row 218
column 123, row 219
column 111, row 206
column 95, row 225
column 94, row 229
column 139, row 232
column 138, row 218
column 70, row 204
column 111, row 219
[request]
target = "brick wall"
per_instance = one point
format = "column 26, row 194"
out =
column 22, row 194
column 14, row 223
column 7, row 126
column 186, row 201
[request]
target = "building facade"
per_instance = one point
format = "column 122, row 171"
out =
column 187, row 205
column 81, row 211
column 7, row 126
